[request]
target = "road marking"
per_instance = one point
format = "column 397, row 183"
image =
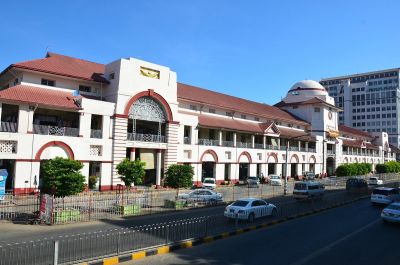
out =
column 331, row 245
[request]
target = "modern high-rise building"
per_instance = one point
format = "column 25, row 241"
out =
column 370, row 101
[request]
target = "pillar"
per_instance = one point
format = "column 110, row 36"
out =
column 234, row 139
column 85, row 120
column 106, row 124
column 264, row 142
column 220, row 138
column 132, row 154
column 24, row 119
column 1, row 108
column 252, row 140
column 158, row 168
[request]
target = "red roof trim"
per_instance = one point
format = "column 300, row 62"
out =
column 63, row 145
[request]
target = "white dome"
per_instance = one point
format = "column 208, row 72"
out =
column 307, row 84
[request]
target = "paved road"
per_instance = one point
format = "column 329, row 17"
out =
column 353, row 234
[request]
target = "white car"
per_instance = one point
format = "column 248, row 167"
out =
column 253, row 182
column 375, row 181
column 391, row 213
column 203, row 196
column 209, row 183
column 384, row 195
column 308, row 189
column 249, row 209
column 275, row 180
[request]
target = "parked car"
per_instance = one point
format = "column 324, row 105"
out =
column 252, row 181
column 391, row 213
column 375, row 181
column 249, row 209
column 308, row 189
column 309, row 175
column 275, row 180
column 209, row 183
column 202, row 195
column 383, row 195
column 356, row 185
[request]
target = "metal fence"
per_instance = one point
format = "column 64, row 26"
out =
column 95, row 245
column 90, row 206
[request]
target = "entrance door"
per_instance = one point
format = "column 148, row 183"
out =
column 227, row 172
column 330, row 166
column 208, row 169
column 293, row 170
column 243, row 170
column 271, row 168
column 259, row 170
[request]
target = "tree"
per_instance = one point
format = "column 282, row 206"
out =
column 179, row 176
column 62, row 177
column 132, row 172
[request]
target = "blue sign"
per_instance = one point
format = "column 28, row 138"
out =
column 3, row 178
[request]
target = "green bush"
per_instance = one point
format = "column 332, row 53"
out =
column 179, row 176
column 131, row 172
column 388, row 167
column 353, row 169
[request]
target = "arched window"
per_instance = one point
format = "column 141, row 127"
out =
column 147, row 109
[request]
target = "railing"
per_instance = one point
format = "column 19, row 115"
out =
column 186, row 140
column 55, row 130
column 96, row 134
column 282, row 147
column 8, row 126
column 330, row 152
column 272, row 147
column 209, row 142
column 311, row 150
column 146, row 137
column 258, row 146
column 244, row 145
column 293, row 148
column 303, row 149
column 227, row 143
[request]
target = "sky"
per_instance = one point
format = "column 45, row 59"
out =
column 251, row 49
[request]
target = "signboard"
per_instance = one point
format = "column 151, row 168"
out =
column 46, row 208
column 3, row 178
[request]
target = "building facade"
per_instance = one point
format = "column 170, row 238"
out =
column 101, row 114
column 370, row 101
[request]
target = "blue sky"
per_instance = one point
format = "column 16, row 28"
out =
column 250, row 49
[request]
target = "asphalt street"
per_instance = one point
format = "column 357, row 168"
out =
column 353, row 234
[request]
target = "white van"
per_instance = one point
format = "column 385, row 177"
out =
column 308, row 189
column 383, row 195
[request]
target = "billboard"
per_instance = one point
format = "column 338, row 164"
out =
column 3, row 178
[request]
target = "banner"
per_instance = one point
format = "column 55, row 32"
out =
column 3, row 178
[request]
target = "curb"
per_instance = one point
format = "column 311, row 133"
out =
column 136, row 255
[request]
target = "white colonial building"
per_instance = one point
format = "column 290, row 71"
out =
column 100, row 114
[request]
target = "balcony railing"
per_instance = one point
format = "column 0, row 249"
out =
column 186, row 140
column 258, row 146
column 96, row 134
column 8, row 126
column 227, row 143
column 244, row 145
column 55, row 130
column 311, row 150
column 303, row 149
column 330, row 152
column 209, row 142
column 282, row 147
column 141, row 137
column 272, row 147
column 293, row 148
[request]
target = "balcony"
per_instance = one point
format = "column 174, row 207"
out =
column 311, row 150
column 293, row 148
column 8, row 126
column 272, row 147
column 258, row 146
column 186, row 140
column 330, row 152
column 227, row 143
column 244, row 145
column 140, row 137
column 55, row 130
column 208, row 142
column 96, row 134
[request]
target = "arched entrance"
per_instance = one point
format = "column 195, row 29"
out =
column 272, row 162
column 311, row 162
column 330, row 166
column 244, row 161
column 294, row 163
column 208, row 164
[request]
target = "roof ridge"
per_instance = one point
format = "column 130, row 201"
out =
column 50, row 54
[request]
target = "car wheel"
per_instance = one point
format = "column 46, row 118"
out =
column 251, row 217
column 274, row 212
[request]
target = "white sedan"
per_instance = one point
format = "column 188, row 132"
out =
column 275, row 180
column 249, row 209
column 375, row 181
column 391, row 213
column 202, row 195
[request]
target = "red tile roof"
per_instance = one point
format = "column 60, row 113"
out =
column 41, row 96
column 352, row 143
column 297, row 134
column 230, row 124
column 314, row 100
column 200, row 95
column 65, row 66
column 349, row 130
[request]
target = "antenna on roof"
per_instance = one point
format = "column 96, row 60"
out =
column 47, row 49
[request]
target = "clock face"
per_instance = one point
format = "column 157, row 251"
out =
column 330, row 115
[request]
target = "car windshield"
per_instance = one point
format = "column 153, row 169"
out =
column 382, row 192
column 252, row 178
column 373, row 178
column 393, row 207
column 240, row 203
column 274, row 177
column 210, row 181
column 300, row 186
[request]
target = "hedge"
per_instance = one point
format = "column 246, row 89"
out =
column 353, row 169
column 388, row 167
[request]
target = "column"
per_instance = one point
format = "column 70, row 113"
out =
column 234, row 139
column 264, row 142
column 158, row 168
column 252, row 140
column 220, row 138
column 85, row 120
column 106, row 124
column 132, row 154
column 1, row 108
column 24, row 119
column 306, row 146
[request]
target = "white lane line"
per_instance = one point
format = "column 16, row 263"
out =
column 331, row 245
